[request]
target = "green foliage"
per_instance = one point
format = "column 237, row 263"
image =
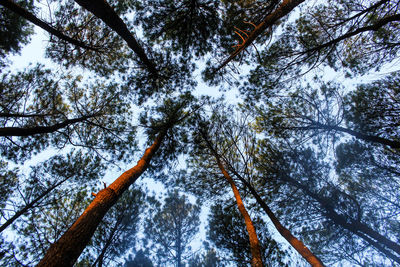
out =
column 374, row 107
column 38, row 98
column 117, row 231
column 227, row 232
column 360, row 169
column 207, row 259
column 48, row 216
column 14, row 31
column 305, row 193
column 110, row 56
column 352, row 37
column 140, row 260
column 274, row 139
column 188, row 27
column 8, row 183
column 171, row 227
column 44, row 225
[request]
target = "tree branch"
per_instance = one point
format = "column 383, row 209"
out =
column 102, row 10
column 11, row 5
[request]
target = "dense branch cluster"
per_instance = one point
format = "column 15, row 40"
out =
column 303, row 168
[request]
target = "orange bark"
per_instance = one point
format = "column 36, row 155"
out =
column 255, row 249
column 284, row 9
column 67, row 249
column 297, row 244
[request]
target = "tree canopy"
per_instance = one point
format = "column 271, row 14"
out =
column 276, row 121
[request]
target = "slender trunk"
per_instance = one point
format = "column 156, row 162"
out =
column 389, row 254
column 365, row 137
column 254, row 243
column 29, row 206
column 358, row 227
column 100, row 258
column 285, row 8
column 17, row 131
column 67, row 249
column 11, row 5
column 21, row 115
column 297, row 244
column 351, row 225
column 178, row 248
column 102, row 10
column 255, row 248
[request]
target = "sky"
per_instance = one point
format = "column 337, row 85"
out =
column 34, row 53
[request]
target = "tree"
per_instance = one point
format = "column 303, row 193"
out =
column 64, row 252
column 349, row 36
column 373, row 108
column 48, row 198
column 206, row 145
column 105, row 12
column 140, row 260
column 308, row 185
column 117, row 231
column 234, row 147
column 32, row 18
column 253, row 239
column 269, row 20
column 14, row 32
column 172, row 227
column 309, row 113
column 228, row 233
column 207, row 259
column 282, row 44
column 83, row 228
column 40, row 109
column 43, row 180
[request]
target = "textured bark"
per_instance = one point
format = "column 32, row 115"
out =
column 102, row 10
column 297, row 244
column 67, row 249
column 285, row 8
column 18, row 131
column 11, row 5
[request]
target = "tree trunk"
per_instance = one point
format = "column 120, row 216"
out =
column 100, row 258
column 102, row 10
column 254, row 243
column 297, row 244
column 178, row 248
column 67, row 249
column 285, row 8
column 11, row 5
column 255, row 248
